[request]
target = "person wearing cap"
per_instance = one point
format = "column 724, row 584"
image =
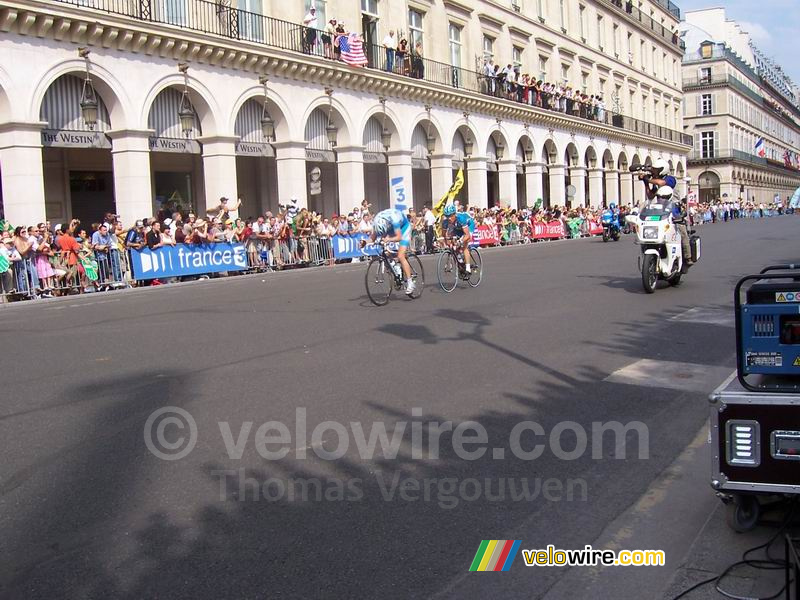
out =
column 310, row 33
column 11, row 254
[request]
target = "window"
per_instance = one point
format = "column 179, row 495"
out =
column 415, row 27
column 707, row 144
column 516, row 56
column 630, row 48
column 455, row 45
column 540, row 9
column 664, row 69
column 318, row 4
column 367, row 6
column 582, row 10
column 654, row 64
column 705, row 75
column 563, row 14
column 601, row 33
column 616, row 40
column 675, row 71
column 643, row 55
column 488, row 47
column 565, row 72
column 543, row 68
column 584, row 82
column 706, row 105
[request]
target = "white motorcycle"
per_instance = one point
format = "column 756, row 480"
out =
column 660, row 242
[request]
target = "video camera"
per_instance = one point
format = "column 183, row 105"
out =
column 641, row 170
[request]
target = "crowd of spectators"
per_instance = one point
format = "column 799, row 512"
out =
column 55, row 259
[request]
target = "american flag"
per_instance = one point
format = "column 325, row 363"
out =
column 352, row 50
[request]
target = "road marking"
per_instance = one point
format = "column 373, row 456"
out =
column 671, row 375
column 711, row 316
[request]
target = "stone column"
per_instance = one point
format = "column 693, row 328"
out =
column 219, row 170
column 401, row 189
column 22, row 172
column 441, row 175
column 578, row 178
column 133, row 184
column 290, row 161
column 478, row 192
column 626, row 182
column 350, row 165
column 639, row 196
column 533, row 183
column 558, row 193
column 612, row 187
column 507, row 179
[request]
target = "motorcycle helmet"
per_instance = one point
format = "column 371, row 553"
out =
column 661, row 167
column 449, row 210
column 612, row 206
column 664, row 193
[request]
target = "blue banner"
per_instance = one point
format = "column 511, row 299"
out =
column 187, row 259
column 349, row 246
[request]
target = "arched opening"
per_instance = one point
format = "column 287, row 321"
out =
column 256, row 168
column 495, row 150
column 463, row 143
column 77, row 162
column 423, row 141
column 175, row 155
column 613, row 195
column 524, row 156
column 376, row 164
column 708, row 183
column 622, row 167
column 321, row 171
column 549, row 157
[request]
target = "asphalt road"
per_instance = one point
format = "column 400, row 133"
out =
column 88, row 511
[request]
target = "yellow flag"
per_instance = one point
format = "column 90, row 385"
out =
column 438, row 208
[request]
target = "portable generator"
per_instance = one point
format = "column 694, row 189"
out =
column 768, row 328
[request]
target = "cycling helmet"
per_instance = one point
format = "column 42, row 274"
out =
column 661, row 166
column 381, row 226
column 449, row 210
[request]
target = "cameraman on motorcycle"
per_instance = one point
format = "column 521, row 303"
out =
column 657, row 178
column 660, row 184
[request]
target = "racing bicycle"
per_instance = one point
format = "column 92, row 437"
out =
column 450, row 268
column 384, row 275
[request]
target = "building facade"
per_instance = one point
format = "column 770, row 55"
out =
column 134, row 107
column 742, row 112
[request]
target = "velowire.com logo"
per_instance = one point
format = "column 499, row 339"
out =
column 495, row 555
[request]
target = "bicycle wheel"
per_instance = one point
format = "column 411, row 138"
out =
column 378, row 281
column 447, row 271
column 417, row 275
column 476, row 276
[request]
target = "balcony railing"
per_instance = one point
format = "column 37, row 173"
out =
column 725, row 154
column 634, row 14
column 671, row 8
column 223, row 20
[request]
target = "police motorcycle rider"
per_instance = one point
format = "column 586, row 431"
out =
column 611, row 218
column 660, row 184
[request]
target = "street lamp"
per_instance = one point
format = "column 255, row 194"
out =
column 89, row 104
column 267, row 123
column 330, row 129
column 468, row 145
column 430, row 141
column 500, row 149
column 185, row 110
column 528, row 152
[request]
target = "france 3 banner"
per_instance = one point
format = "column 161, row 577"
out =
column 547, row 231
column 484, row 236
column 186, row 259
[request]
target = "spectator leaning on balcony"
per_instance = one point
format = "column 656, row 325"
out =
column 401, row 55
column 417, row 62
column 391, row 45
column 310, row 32
column 327, row 38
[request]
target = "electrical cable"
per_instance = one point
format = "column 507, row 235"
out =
column 770, row 564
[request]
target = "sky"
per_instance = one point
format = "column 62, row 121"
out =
column 774, row 26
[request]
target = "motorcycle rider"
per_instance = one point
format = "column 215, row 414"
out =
column 657, row 178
